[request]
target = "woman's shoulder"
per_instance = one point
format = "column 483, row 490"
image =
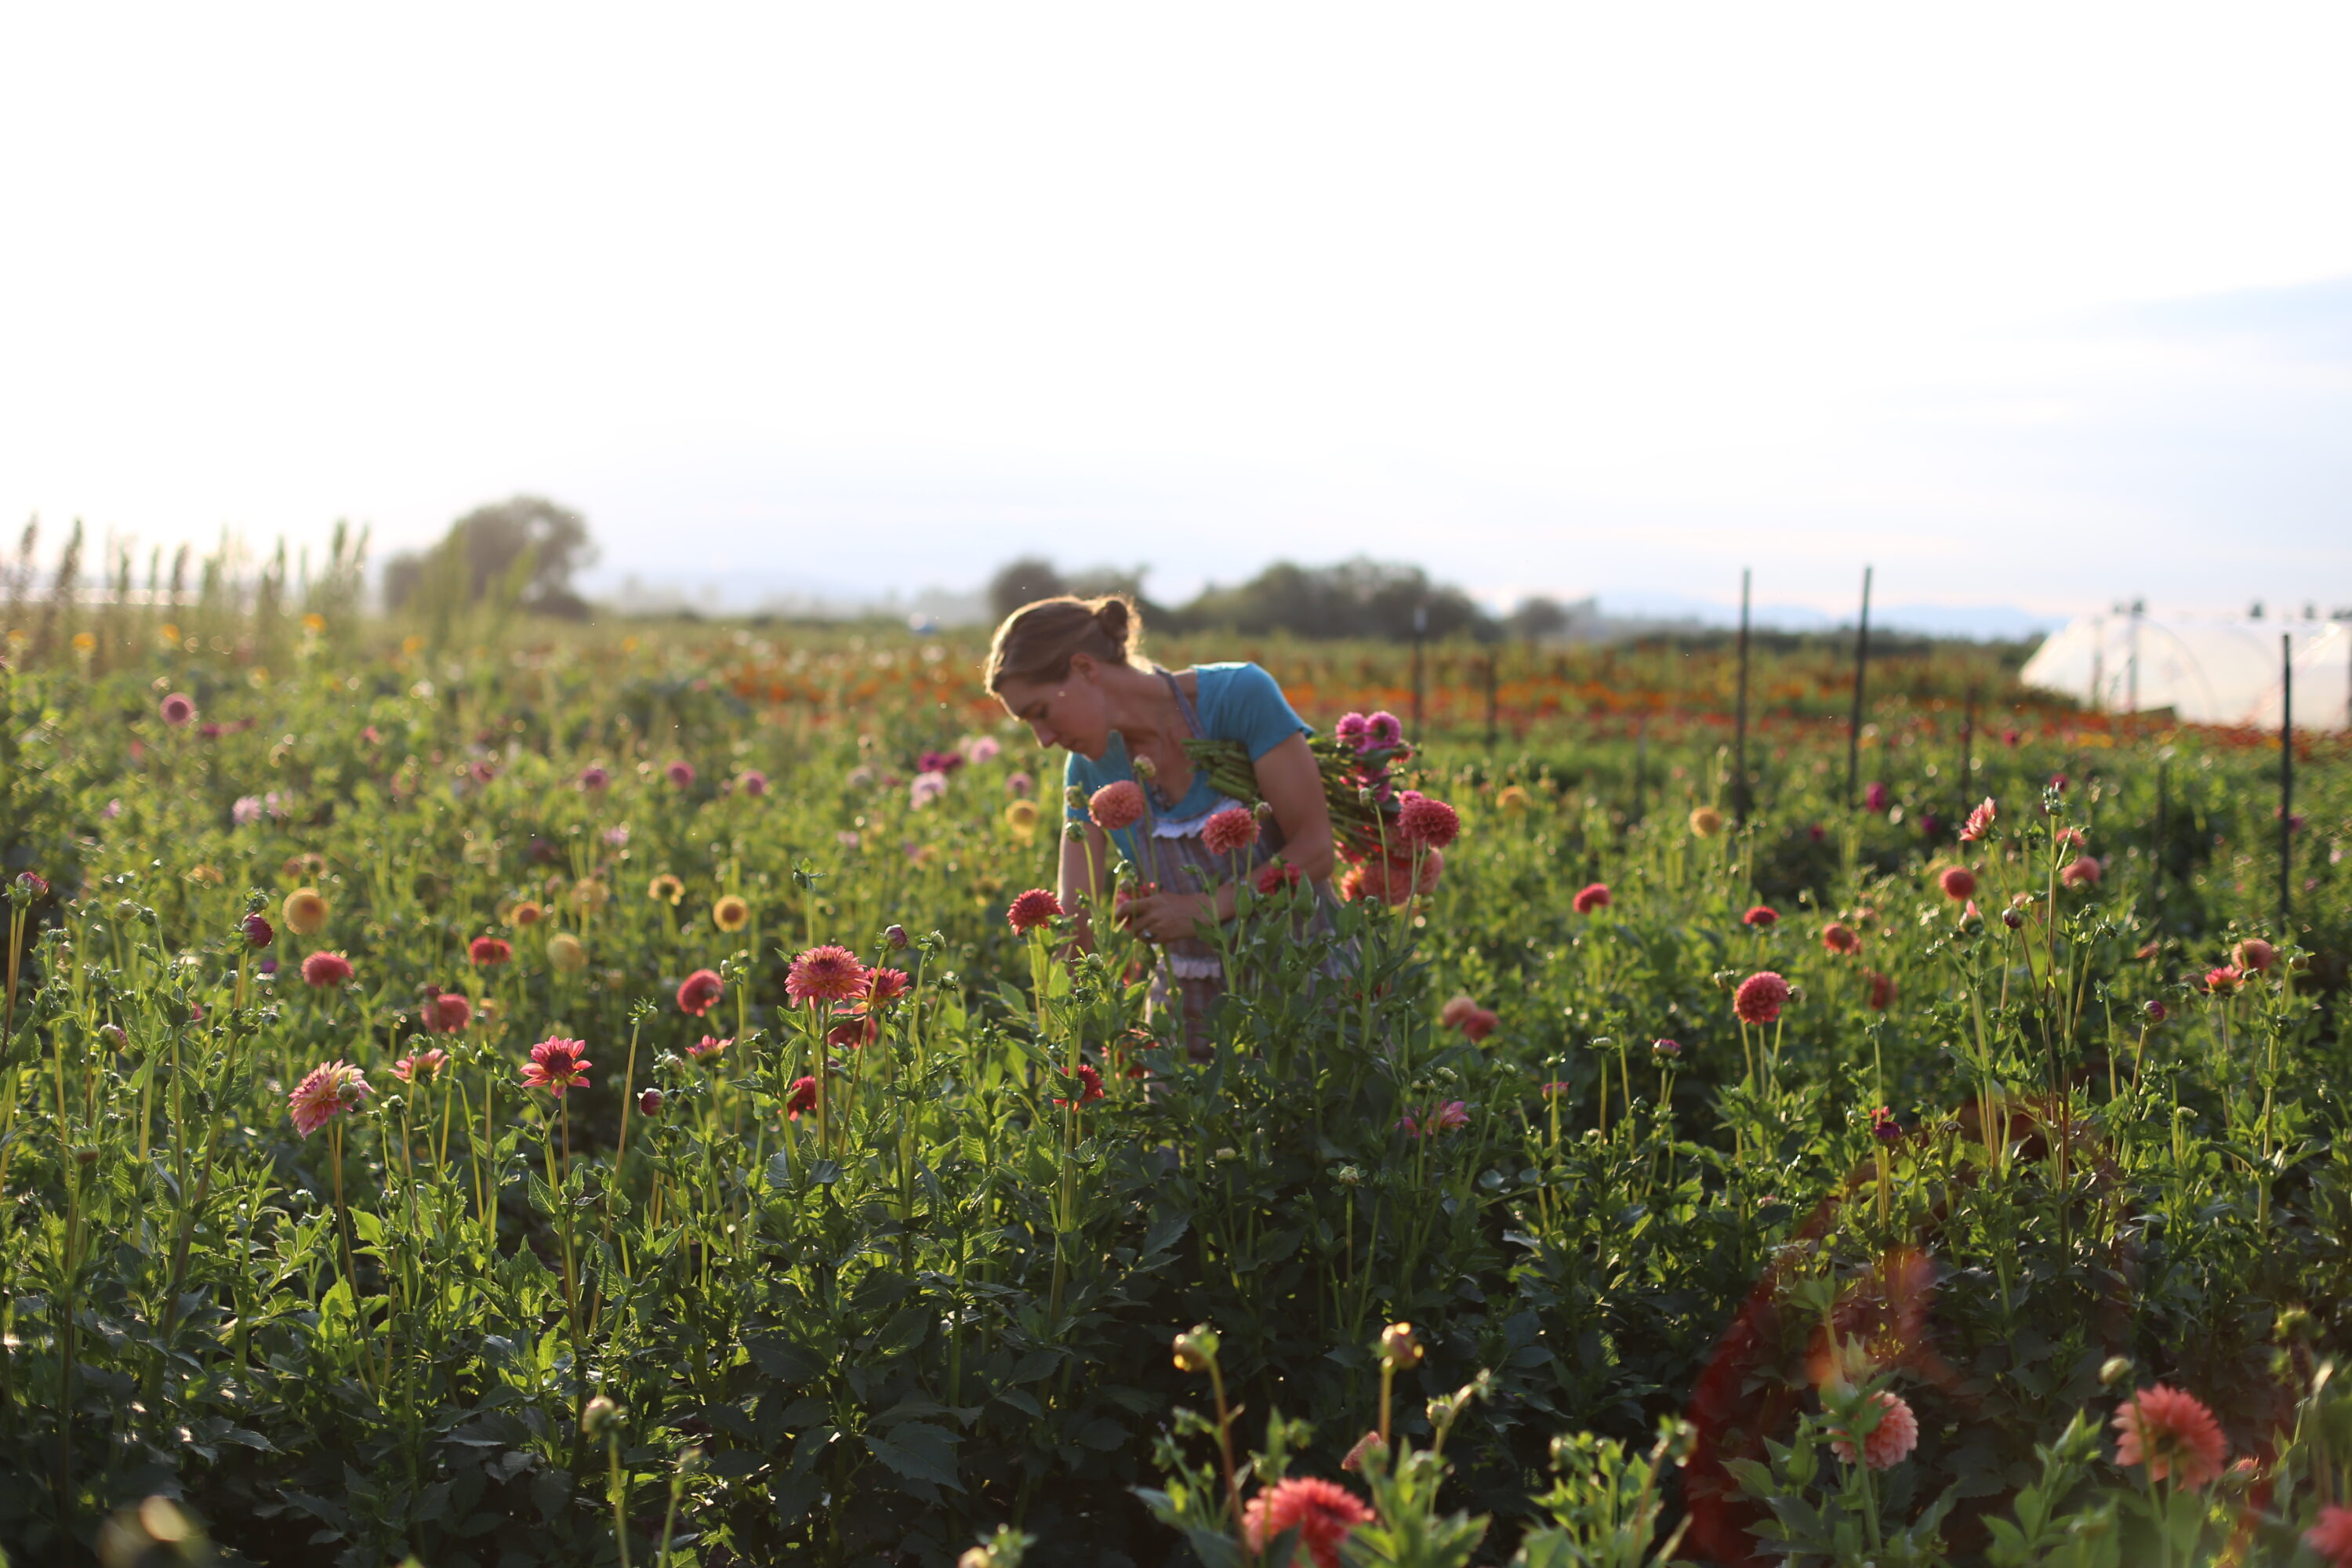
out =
column 1240, row 700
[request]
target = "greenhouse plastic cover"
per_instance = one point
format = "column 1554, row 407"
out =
column 2207, row 671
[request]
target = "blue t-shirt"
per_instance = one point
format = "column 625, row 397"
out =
column 1235, row 702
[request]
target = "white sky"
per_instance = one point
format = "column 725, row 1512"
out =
column 1548, row 298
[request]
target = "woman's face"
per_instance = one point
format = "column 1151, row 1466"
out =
column 1066, row 713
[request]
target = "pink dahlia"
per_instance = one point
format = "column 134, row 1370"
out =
column 326, row 1093
column 325, row 969
column 1428, row 824
column 1457, row 1009
column 700, row 992
column 1760, row 997
column 557, row 1065
column 1882, row 992
column 1230, row 831
column 826, row 974
column 2082, row 871
column 1890, row 1442
column 1116, row 805
column 1763, row 917
column 422, row 1068
column 446, row 1013
column 2225, row 980
column 1019, row 783
column 710, row 1049
column 1839, row 937
column 1350, row 731
column 2331, row 1538
column 680, row 772
column 1595, row 896
column 1323, row 1513
column 1979, row 822
column 1875, row 798
column 487, row 950
column 177, row 709
column 1445, row 1118
column 2173, row 1433
column 1032, row 910
column 2254, row 955
column 1273, row 875
column 1960, row 883
column 1393, row 880
column 883, row 988
column 1481, row 1023
column 754, row 783
column 594, row 778
column 1383, row 732
column 801, row 1098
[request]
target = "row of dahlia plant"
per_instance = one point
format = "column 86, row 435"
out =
column 808, row 1260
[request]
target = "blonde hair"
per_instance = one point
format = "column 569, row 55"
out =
column 1037, row 641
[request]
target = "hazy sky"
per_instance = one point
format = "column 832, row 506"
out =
column 2034, row 305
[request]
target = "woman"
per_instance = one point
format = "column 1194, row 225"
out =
column 1071, row 669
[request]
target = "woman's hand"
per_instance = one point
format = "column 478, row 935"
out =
column 1168, row 917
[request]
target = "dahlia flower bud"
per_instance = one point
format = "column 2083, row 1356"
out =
column 1665, row 1050
column 1074, row 798
column 2155, row 1011
column 113, row 1036
column 27, row 887
column 1399, row 1349
column 1142, row 768
column 2114, row 1370
column 257, row 929
column 600, row 1418
column 896, row 935
column 2011, row 919
column 1195, row 1349
column 650, row 1102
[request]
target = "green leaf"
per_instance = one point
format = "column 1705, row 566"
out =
column 919, row 1451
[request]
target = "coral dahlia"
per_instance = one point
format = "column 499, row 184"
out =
column 826, row 974
column 2225, row 980
column 1324, row 1513
column 2082, row 871
column 1890, row 1442
column 2254, row 955
column 2173, row 1433
column 1115, row 805
column 1457, row 1009
column 1763, row 917
column 1960, row 883
column 446, row 1013
column 324, row 969
column 1882, row 991
column 1839, row 937
column 422, row 1068
column 1760, row 997
column 1032, row 910
column 488, row 949
column 1428, row 824
column 1230, row 831
column 1979, row 822
column 2331, row 1538
column 325, row 1093
column 1595, row 896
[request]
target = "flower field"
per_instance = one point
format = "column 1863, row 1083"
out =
column 584, row 1101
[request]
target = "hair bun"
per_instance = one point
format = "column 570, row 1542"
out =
column 1117, row 618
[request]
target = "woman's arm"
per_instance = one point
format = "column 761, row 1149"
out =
column 1293, row 784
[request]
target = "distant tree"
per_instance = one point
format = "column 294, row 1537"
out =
column 525, row 546
column 1358, row 598
column 1021, row 581
column 1538, row 617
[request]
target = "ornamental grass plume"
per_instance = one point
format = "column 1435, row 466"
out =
column 557, row 1065
column 2330, row 1540
column 306, row 912
column 1839, row 937
column 1706, row 822
column 1763, row 917
column 424, row 1067
column 2082, row 871
column 1760, row 997
column 1230, row 831
column 1033, row 908
column 325, row 1093
column 1960, row 883
column 567, row 952
column 325, row 969
column 178, row 710
column 665, row 889
column 2254, row 955
column 1324, row 1513
column 1116, row 805
column 1890, row 1442
column 1427, row 824
column 2173, row 1434
column 1595, row 896
column 732, row 912
column 1980, row 822
column 680, row 772
column 700, row 992
column 489, row 950
column 826, row 974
